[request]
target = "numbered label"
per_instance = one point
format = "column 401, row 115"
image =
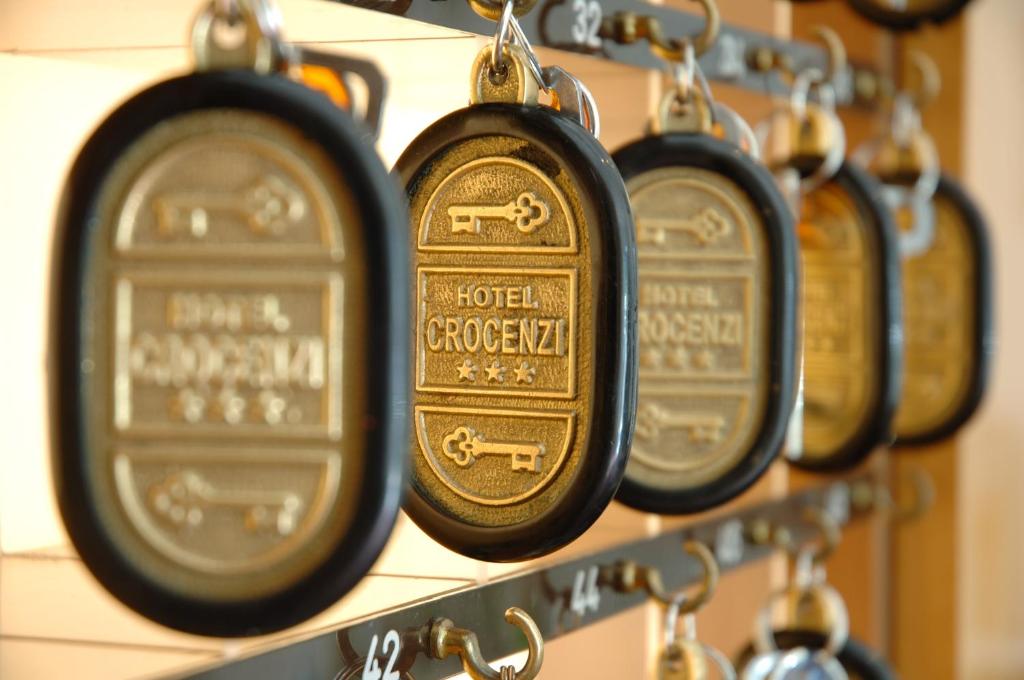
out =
column 586, row 22
column 586, row 596
column 389, row 650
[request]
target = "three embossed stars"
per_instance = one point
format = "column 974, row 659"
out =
column 677, row 358
column 495, row 372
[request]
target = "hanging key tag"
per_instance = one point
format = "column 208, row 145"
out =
column 717, row 304
column 851, row 302
column 948, row 318
column 228, row 343
column 946, row 272
column 810, row 605
column 525, row 294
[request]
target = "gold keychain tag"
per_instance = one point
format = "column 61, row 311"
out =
column 947, row 321
column 717, row 303
column 522, row 354
column 228, row 337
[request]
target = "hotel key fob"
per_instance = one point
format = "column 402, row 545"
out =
column 228, row 344
column 524, row 310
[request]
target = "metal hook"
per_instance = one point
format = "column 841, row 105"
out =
column 830, row 532
column 710, row 582
column 628, row 576
column 868, row 495
column 835, row 49
column 929, row 79
column 446, row 639
column 763, row 532
column 626, row 27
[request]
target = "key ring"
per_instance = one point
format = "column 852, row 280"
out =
column 501, row 37
column 519, row 38
column 683, row 607
column 262, row 49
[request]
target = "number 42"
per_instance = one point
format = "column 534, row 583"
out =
column 390, row 648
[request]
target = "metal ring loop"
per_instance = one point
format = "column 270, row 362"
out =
column 930, row 79
column 684, row 72
column 519, row 37
column 830, row 532
column 721, row 660
column 803, row 84
column 764, row 635
column 501, row 37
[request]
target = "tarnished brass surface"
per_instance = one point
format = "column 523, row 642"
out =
column 503, row 330
column 226, row 298
column 840, row 319
column 683, row 659
column 939, row 319
column 702, row 326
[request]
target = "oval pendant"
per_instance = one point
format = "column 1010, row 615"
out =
column 228, row 353
column 524, row 287
column 947, row 304
column 852, row 320
column 716, row 321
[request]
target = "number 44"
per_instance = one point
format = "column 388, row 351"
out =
column 586, row 596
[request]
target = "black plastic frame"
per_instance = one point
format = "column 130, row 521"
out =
column 614, row 412
column 896, row 20
column 709, row 153
column 380, row 208
column 876, row 426
column 984, row 341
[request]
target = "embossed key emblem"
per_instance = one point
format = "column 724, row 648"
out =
column 527, row 212
column 715, row 321
column 947, row 322
column 523, row 282
column 229, row 339
column 464, row 446
column 270, row 205
column 707, row 226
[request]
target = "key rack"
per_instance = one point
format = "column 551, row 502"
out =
column 561, row 598
column 732, row 59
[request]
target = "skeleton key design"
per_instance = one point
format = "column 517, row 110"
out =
column 269, row 206
column 464, row 446
column 706, row 226
column 181, row 498
column 528, row 212
column 703, row 427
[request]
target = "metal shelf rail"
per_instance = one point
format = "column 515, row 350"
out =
column 561, row 598
column 574, row 25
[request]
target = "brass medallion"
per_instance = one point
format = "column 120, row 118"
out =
column 498, row 339
column 519, row 341
column 228, row 335
column 218, row 360
column 703, row 343
column 841, row 320
column 716, row 321
column 945, row 322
